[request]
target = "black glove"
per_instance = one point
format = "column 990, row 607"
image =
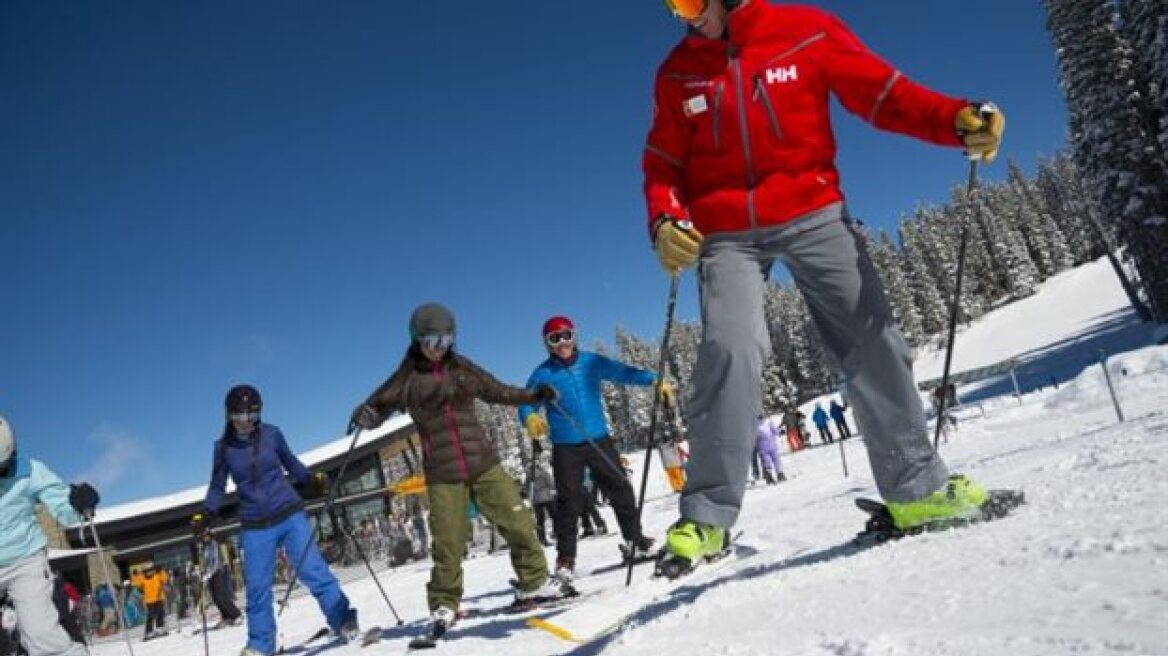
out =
column 366, row 416
column 544, row 392
column 84, row 498
column 202, row 523
column 316, row 486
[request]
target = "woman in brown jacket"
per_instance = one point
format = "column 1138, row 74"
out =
column 438, row 388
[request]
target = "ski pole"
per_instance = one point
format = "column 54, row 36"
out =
column 670, row 307
column 616, row 469
column 108, row 581
column 203, row 613
column 971, row 193
column 843, row 457
column 331, row 508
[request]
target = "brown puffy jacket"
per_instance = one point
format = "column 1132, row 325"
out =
column 440, row 399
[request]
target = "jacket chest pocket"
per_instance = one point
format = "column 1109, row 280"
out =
column 704, row 105
column 763, row 98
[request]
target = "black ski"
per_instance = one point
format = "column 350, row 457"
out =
column 880, row 528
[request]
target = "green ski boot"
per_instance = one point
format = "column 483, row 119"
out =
column 960, row 501
column 686, row 544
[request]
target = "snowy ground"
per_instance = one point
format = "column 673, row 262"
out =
column 1082, row 568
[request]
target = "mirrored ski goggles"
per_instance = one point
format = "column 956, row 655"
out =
column 687, row 10
column 244, row 417
column 436, row 342
column 560, row 337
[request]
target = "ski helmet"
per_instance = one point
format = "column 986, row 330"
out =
column 243, row 398
column 7, row 443
column 556, row 324
column 431, row 319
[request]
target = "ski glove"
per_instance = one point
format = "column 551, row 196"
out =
column 667, row 395
column 980, row 128
column 84, row 498
column 677, row 243
column 201, row 523
column 316, row 486
column 544, row 392
column 366, row 416
column 537, row 426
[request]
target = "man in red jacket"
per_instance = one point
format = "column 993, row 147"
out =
column 739, row 171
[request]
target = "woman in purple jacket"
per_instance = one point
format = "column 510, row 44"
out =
column 768, row 450
column 271, row 515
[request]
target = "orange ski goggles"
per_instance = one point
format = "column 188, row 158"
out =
column 687, row 10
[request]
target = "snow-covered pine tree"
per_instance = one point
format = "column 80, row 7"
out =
column 1061, row 185
column 1004, row 210
column 617, row 408
column 501, row 424
column 1044, row 240
column 896, row 287
column 927, row 300
column 1110, row 138
column 941, row 229
column 633, row 351
column 1144, row 24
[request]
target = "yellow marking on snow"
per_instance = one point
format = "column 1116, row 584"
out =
column 558, row 631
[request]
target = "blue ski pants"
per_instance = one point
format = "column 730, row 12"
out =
column 259, row 570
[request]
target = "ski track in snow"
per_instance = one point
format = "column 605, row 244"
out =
column 1082, row 568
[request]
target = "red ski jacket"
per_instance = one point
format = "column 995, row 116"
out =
column 741, row 135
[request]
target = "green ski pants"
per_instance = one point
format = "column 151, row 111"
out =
column 497, row 497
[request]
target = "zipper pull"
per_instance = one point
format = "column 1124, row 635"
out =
column 757, row 88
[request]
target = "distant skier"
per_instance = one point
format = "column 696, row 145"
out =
column 271, row 513
column 576, row 376
column 24, row 563
column 215, row 576
column 841, row 421
column 438, row 388
column 768, row 450
column 741, row 148
column 152, row 583
column 591, row 521
column 793, row 425
column 819, row 417
column 543, row 495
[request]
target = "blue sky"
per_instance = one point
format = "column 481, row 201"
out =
column 198, row 194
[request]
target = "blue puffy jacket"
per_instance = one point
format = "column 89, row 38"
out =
column 257, row 464
column 578, row 383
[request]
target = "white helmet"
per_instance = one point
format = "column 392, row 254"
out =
column 7, row 441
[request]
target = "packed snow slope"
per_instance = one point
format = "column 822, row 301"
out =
column 1082, row 568
column 1053, row 334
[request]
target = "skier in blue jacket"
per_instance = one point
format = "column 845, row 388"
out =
column 271, row 515
column 576, row 376
column 820, row 419
column 24, row 564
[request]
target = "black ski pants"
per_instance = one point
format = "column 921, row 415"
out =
column 221, row 597
column 543, row 512
column 568, row 463
column 155, row 617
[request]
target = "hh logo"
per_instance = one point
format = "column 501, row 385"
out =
column 780, row 75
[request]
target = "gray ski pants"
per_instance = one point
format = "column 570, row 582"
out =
column 834, row 272
column 29, row 584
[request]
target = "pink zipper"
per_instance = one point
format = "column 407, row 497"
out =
column 439, row 372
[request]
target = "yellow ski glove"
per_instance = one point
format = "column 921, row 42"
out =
column 537, row 426
column 980, row 128
column 677, row 243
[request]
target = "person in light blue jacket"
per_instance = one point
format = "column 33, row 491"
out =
column 580, row 438
column 24, row 564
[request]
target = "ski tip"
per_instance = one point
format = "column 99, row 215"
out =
column 558, row 631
